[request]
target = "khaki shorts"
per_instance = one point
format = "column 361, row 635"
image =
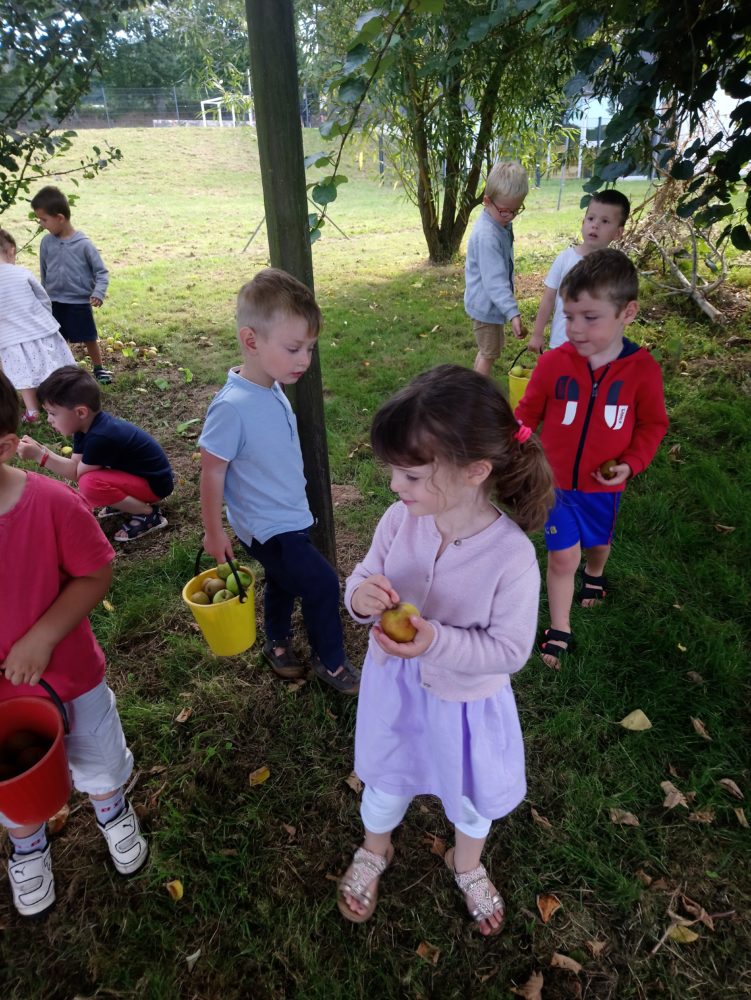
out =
column 489, row 337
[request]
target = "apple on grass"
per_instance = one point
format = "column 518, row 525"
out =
column 395, row 622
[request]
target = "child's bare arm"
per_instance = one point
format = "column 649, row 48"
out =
column 69, row 468
column 216, row 541
column 544, row 312
column 29, row 656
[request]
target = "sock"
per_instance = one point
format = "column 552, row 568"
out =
column 37, row 841
column 108, row 809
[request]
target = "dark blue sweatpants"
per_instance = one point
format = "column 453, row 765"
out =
column 295, row 568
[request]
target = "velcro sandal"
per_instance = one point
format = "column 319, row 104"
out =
column 476, row 888
column 345, row 678
column 593, row 588
column 284, row 664
column 140, row 525
column 361, row 882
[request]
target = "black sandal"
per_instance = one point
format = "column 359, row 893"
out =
column 284, row 664
column 140, row 525
column 546, row 647
column 593, row 588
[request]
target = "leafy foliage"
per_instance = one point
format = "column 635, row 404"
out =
column 49, row 53
column 450, row 86
column 663, row 69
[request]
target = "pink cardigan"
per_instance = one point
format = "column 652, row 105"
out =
column 481, row 596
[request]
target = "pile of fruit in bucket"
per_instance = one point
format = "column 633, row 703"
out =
column 20, row 751
column 222, row 585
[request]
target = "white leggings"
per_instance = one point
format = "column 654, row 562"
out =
column 381, row 812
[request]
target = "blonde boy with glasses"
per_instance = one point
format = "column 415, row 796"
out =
column 489, row 271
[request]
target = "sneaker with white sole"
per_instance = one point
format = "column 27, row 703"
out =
column 32, row 882
column 127, row 846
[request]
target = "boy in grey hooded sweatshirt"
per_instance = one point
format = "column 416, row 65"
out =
column 73, row 275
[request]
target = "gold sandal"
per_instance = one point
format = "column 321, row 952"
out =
column 365, row 870
column 476, row 885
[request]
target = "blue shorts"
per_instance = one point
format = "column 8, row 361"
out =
column 586, row 519
column 76, row 321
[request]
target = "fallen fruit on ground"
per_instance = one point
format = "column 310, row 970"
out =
column 396, row 624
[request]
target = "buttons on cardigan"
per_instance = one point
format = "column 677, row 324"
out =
column 457, row 541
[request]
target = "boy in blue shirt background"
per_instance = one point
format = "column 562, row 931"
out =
column 251, row 459
column 489, row 271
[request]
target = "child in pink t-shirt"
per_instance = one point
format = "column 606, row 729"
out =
column 45, row 632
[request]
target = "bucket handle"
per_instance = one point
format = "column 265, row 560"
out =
column 55, row 698
column 522, row 351
column 241, row 591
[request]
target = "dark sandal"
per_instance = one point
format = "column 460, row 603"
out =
column 547, row 648
column 345, row 678
column 365, row 870
column 284, row 664
column 593, row 588
column 140, row 525
column 476, row 885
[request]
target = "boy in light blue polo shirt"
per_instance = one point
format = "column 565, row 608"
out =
column 251, row 459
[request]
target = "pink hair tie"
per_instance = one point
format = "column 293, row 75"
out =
column 523, row 434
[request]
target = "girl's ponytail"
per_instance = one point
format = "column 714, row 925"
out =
column 524, row 486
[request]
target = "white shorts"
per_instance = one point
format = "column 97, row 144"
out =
column 98, row 756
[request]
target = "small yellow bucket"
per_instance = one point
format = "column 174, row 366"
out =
column 517, row 384
column 229, row 628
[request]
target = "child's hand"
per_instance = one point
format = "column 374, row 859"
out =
column 27, row 660
column 517, row 327
column 218, row 546
column 620, row 473
column 373, row 596
column 407, row 650
column 536, row 342
column 95, row 301
column 29, row 449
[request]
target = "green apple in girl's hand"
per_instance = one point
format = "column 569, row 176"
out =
column 396, row 624
column 245, row 580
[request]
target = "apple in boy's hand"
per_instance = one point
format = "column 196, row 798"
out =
column 607, row 469
column 395, row 622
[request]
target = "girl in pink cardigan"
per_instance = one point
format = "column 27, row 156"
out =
column 436, row 715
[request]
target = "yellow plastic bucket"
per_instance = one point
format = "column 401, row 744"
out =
column 517, row 384
column 229, row 628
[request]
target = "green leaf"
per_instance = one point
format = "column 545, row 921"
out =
column 181, row 428
column 614, row 170
column 322, row 194
column 355, row 58
column 352, row 90
column 331, row 128
column 586, row 26
column 317, row 160
column 429, row 7
column 314, row 234
column 188, row 374
column 682, row 170
column 576, row 85
column 740, row 238
column 478, row 29
column 369, row 24
column 161, row 383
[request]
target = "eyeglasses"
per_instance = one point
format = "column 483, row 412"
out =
column 511, row 212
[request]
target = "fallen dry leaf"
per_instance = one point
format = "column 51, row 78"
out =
column 741, row 817
column 673, row 796
column 596, row 948
column 659, row 884
column 429, row 952
column 696, row 910
column 694, row 677
column 702, row 816
column 636, row 721
column 175, row 889
column 190, row 960
column 108, row 606
column 436, row 845
column 258, row 776
column 724, row 529
column 682, row 648
column 646, row 880
column 674, row 451
column 559, row 961
column 58, row 821
column 540, row 820
column 623, row 818
column 700, row 728
column 291, row 831
column 354, row 783
column 547, row 904
column 532, row 989
column 183, row 715
column 730, row 786
column 681, row 934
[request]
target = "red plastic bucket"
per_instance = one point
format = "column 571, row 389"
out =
column 38, row 793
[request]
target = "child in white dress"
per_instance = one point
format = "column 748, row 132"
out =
column 31, row 347
column 436, row 714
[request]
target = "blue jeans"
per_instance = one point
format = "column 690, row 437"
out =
column 295, row 568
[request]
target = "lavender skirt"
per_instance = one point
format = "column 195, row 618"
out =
column 408, row 742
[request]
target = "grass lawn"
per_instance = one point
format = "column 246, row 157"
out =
column 258, row 864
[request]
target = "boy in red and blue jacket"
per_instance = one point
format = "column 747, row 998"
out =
column 600, row 398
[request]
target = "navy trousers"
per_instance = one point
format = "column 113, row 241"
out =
column 295, row 568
